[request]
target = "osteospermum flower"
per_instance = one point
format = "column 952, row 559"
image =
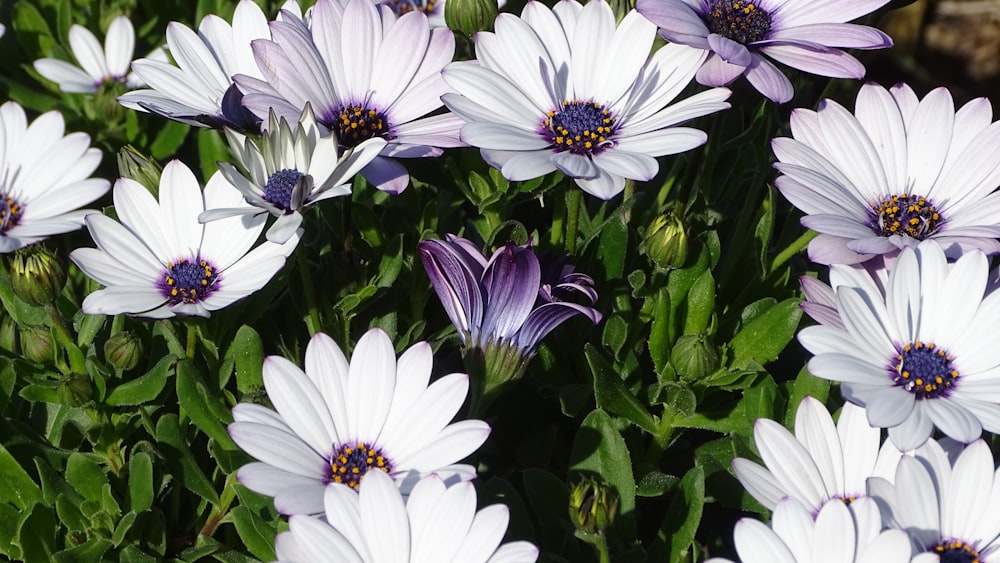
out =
column 896, row 172
column 199, row 90
column 44, row 177
column 839, row 534
column 947, row 507
column 288, row 170
column 339, row 422
column 160, row 261
column 97, row 66
column 802, row 34
column 566, row 89
column 435, row 524
column 366, row 74
column 923, row 354
column 820, row 462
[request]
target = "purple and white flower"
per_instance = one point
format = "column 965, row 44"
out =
column 567, row 89
column 434, row 524
column 804, row 34
column 44, row 177
column 160, row 261
column 898, row 171
column 366, row 74
column 339, row 422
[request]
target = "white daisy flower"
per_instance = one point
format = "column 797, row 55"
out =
column 199, row 90
column 566, row 89
column 838, row 534
column 897, row 171
column 98, row 66
column 436, row 523
column 337, row 422
column 949, row 508
column 820, row 462
column 288, row 170
column 160, row 261
column 923, row 354
column 44, row 177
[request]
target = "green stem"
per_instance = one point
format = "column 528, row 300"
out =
column 192, row 341
column 792, row 249
column 77, row 363
column 601, row 546
column 573, row 200
column 312, row 321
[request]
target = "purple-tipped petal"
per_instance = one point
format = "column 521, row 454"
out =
column 456, row 286
column 546, row 318
column 510, row 283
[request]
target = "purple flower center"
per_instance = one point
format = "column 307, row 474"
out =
column 350, row 463
column 955, row 551
column 406, row 6
column 356, row 124
column 10, row 213
column 911, row 215
column 579, row 127
column 278, row 191
column 742, row 21
column 188, row 281
column 924, row 370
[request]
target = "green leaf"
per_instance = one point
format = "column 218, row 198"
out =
column 764, row 229
column 599, row 449
column 763, row 338
column 683, row 515
column 36, row 535
column 85, row 475
column 140, row 482
column 124, row 525
column 759, row 400
column 201, row 405
column 16, row 486
column 7, row 378
column 180, row 459
column 392, row 262
column 248, row 352
column 132, row 554
column 661, row 334
column 700, row 304
column 498, row 490
column 615, row 333
column 91, row 550
column 612, row 395
column 549, row 499
column 168, row 140
column 53, row 484
column 211, row 149
column 32, row 32
column 805, row 385
column 22, row 313
column 70, row 515
column 10, row 519
column 144, row 388
column 655, row 484
column 613, row 247
column 256, row 533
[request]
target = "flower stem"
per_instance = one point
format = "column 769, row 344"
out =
column 77, row 363
column 792, row 249
column 312, row 321
column 192, row 341
column 573, row 199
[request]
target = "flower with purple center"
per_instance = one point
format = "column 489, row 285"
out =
column 568, row 89
column 339, row 421
column 159, row 261
column 897, row 171
column 366, row 74
column 503, row 307
column 804, row 34
column 920, row 353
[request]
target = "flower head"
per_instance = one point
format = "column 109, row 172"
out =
column 566, row 89
column 289, row 169
column 435, row 523
column 160, row 261
column 43, row 177
column 339, row 422
column 98, row 66
column 738, row 33
column 948, row 507
column 366, row 74
column 896, row 172
column 921, row 354
column 199, row 91
column 838, row 533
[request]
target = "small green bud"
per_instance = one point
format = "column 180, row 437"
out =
column 667, row 241
column 694, row 356
column 37, row 344
column 592, row 505
column 75, row 390
column 470, row 16
column 123, row 350
column 136, row 166
column 8, row 333
column 36, row 275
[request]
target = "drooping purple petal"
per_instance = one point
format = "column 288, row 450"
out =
column 546, row 318
column 510, row 284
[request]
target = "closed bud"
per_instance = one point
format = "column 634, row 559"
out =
column 37, row 344
column 123, row 350
column 470, row 16
column 592, row 506
column 8, row 333
column 667, row 241
column 75, row 390
column 37, row 275
column 134, row 165
column 694, row 356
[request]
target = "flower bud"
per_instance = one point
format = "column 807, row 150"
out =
column 667, row 241
column 123, row 350
column 8, row 333
column 75, row 390
column 136, row 166
column 694, row 356
column 592, row 505
column 37, row 344
column 469, row 16
column 106, row 99
column 36, row 275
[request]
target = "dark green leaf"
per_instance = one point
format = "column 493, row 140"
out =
column 22, row 313
column 124, row 525
column 248, row 353
column 180, row 459
column 759, row 400
column 212, row 148
column 392, row 262
column 700, row 304
column 168, row 140
column 615, row 333
column 655, row 484
column 256, row 533
column 684, row 514
column 91, row 550
column 613, row 247
column 201, row 405
column 600, row 450
column 612, row 395
column 144, row 388
column 762, row 339
column 549, row 499
column 36, row 536
column 16, row 486
column 140, row 482
column 805, row 385
column 86, row 476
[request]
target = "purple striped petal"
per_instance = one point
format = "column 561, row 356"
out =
column 511, row 283
column 456, row 286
